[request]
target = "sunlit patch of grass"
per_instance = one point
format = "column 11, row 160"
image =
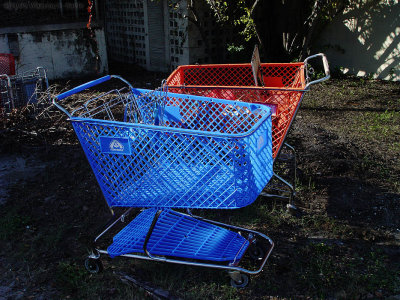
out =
column 395, row 147
column 380, row 125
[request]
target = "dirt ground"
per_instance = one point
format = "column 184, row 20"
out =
column 342, row 243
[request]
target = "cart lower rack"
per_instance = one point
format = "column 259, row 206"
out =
column 159, row 150
column 197, row 239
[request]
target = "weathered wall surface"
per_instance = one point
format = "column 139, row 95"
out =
column 64, row 52
column 365, row 40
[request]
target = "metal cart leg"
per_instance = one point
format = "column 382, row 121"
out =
column 290, row 193
column 93, row 263
column 146, row 240
column 290, row 206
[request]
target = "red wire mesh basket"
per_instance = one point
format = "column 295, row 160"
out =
column 7, row 64
column 284, row 85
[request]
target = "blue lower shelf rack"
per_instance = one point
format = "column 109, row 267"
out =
column 179, row 235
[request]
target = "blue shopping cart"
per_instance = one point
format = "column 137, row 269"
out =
column 22, row 89
column 160, row 151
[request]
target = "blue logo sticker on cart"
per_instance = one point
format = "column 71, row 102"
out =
column 115, row 145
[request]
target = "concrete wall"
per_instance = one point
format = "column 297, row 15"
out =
column 65, row 51
column 365, row 40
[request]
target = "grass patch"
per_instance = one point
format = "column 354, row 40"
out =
column 322, row 223
column 71, row 277
column 308, row 185
column 321, row 272
column 187, row 282
column 376, row 274
column 379, row 125
column 12, row 223
column 328, row 269
column 75, row 282
column 370, row 167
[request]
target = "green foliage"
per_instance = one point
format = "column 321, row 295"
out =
column 237, row 53
column 245, row 21
column 303, row 21
column 237, row 14
column 220, row 9
column 232, row 48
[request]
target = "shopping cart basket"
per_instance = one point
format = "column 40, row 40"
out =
column 22, row 89
column 7, row 64
column 159, row 150
column 284, row 85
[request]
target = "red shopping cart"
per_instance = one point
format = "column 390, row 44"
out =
column 282, row 88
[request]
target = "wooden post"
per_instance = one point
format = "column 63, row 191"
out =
column 76, row 9
column 96, row 6
column 61, row 8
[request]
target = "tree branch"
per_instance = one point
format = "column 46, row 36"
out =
column 312, row 21
column 254, row 23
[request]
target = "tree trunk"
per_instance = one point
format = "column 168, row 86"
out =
column 311, row 22
column 280, row 25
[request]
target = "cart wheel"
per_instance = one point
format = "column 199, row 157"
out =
column 244, row 281
column 93, row 265
column 256, row 252
column 292, row 210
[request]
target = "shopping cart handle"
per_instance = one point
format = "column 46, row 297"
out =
column 85, row 86
column 326, row 69
column 82, row 87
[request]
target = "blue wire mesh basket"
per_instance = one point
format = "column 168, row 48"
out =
column 159, row 149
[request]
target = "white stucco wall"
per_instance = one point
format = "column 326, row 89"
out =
column 64, row 53
column 365, row 40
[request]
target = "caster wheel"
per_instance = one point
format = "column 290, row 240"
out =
column 242, row 283
column 256, row 252
column 292, row 210
column 93, row 265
